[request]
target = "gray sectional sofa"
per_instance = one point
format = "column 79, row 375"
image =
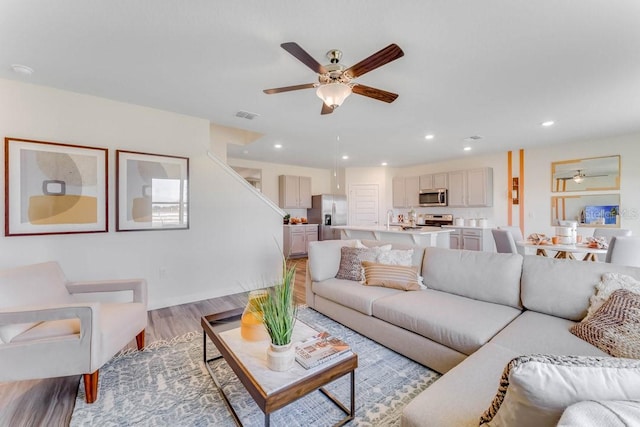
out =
column 479, row 311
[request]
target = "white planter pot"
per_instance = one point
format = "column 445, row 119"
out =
column 280, row 357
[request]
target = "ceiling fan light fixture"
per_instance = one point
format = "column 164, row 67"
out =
column 578, row 178
column 333, row 94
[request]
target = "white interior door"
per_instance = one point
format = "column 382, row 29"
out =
column 363, row 204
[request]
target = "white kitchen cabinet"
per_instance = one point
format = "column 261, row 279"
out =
column 295, row 192
column 471, row 239
column 471, row 188
column 296, row 239
column 434, row 180
column 406, row 191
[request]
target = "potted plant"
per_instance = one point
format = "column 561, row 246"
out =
column 279, row 317
column 285, row 219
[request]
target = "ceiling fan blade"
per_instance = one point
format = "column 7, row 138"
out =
column 290, row 88
column 326, row 109
column 294, row 49
column 372, row 92
column 378, row 59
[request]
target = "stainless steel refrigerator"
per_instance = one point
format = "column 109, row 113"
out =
column 328, row 210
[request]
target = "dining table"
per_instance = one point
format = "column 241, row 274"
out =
column 564, row 251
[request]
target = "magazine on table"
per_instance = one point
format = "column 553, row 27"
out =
column 320, row 349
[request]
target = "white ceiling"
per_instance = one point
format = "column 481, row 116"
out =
column 494, row 68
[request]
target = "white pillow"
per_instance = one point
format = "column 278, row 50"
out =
column 535, row 390
column 610, row 413
column 396, row 257
column 610, row 282
column 361, row 245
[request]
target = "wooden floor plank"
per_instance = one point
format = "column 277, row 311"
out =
column 50, row 402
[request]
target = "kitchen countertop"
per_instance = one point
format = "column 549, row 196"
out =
column 392, row 229
column 296, row 225
column 467, row 226
column 423, row 236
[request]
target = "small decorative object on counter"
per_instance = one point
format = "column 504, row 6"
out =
column 286, row 218
column 412, row 217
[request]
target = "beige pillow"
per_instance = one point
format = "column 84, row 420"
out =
column 535, row 390
column 400, row 277
column 351, row 262
column 610, row 282
column 615, row 327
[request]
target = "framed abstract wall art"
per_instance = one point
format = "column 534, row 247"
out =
column 53, row 188
column 152, row 191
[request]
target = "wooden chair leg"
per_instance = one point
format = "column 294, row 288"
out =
column 140, row 340
column 91, row 386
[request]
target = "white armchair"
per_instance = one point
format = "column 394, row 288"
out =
column 46, row 331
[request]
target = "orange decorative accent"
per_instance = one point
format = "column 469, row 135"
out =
column 509, row 176
column 522, row 191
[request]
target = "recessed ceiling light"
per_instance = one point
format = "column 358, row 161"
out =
column 345, row 157
column 22, row 69
column 245, row 151
column 547, row 123
column 430, row 136
column 383, row 164
column 467, row 148
column 277, row 146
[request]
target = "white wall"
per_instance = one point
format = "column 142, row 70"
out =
column 321, row 179
column 231, row 244
column 538, row 179
column 383, row 176
column 537, row 182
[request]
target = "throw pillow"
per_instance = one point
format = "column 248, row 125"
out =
column 391, row 276
column 615, row 327
column 361, row 245
column 351, row 262
column 610, row 413
column 610, row 282
column 396, row 257
column 535, row 390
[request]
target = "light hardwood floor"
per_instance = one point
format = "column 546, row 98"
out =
column 50, row 402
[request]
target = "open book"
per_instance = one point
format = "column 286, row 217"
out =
column 320, row 349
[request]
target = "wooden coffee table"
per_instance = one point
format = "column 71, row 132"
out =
column 269, row 389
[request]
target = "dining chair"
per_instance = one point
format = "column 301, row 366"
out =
column 517, row 236
column 505, row 243
column 608, row 233
column 624, row 250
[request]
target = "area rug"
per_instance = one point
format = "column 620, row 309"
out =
column 168, row 384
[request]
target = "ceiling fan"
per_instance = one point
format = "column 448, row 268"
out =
column 579, row 176
column 335, row 81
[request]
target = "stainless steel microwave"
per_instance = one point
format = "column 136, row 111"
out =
column 433, row 197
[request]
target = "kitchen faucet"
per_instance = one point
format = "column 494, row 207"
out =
column 389, row 216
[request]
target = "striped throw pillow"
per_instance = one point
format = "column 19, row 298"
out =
column 400, row 277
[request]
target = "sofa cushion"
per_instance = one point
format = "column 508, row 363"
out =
column 615, row 327
column 485, row 276
column 561, row 287
column 36, row 284
column 603, row 413
column 391, row 276
column 458, row 398
column 533, row 332
column 324, row 258
column 351, row 294
column 463, row 324
column 535, row 389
